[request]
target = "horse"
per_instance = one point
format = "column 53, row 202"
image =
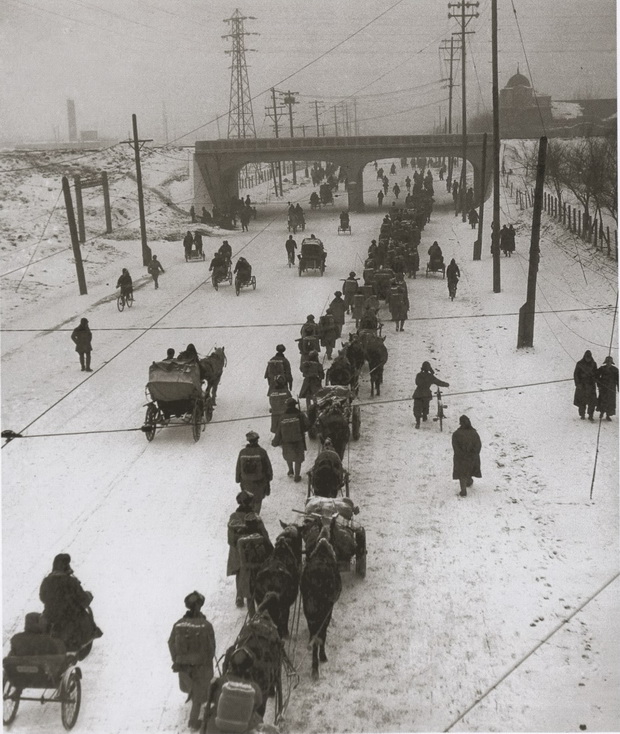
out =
column 376, row 353
column 280, row 574
column 320, row 589
column 211, row 369
column 332, row 423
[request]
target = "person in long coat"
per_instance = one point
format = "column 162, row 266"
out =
column 195, row 668
column 329, row 331
column 253, row 471
column 313, row 373
column 338, row 308
column 270, row 373
column 290, row 434
column 607, row 380
column 82, row 337
column 188, row 243
column 242, row 522
column 398, row 303
column 422, row 394
column 466, row 463
column 585, row 385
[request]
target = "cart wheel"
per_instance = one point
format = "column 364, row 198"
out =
column 440, row 417
column 300, row 270
column 150, row 421
column 129, row 300
column 208, row 410
column 204, row 256
column 346, row 484
column 322, row 269
column 70, row 698
column 120, row 303
column 253, row 283
column 237, row 286
column 197, row 419
column 230, row 277
column 309, row 492
column 10, row 702
column 312, row 431
column 356, row 420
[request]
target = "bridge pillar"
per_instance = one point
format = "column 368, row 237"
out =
column 221, row 185
column 354, row 166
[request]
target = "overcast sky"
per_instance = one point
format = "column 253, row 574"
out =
column 118, row 57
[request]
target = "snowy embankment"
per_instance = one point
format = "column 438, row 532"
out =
column 458, row 624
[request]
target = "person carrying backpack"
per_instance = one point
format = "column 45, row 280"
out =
column 242, row 523
column 278, row 365
column 253, row 471
column 235, row 699
column 329, row 331
column 290, row 434
column 192, row 648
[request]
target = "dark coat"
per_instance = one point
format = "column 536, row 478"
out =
column 423, row 382
column 234, row 562
column 585, row 381
column 607, row 381
column 339, row 309
column 82, row 337
column 66, row 609
column 313, row 378
column 292, row 451
column 258, row 486
column 466, row 444
column 287, row 368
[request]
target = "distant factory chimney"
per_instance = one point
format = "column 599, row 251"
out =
column 73, row 136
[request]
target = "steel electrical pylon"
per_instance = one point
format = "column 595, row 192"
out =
column 240, row 114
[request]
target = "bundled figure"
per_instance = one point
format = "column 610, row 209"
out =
column 453, row 274
column 466, row 445
column 248, row 547
column 125, row 283
column 290, row 434
column 349, row 288
column 82, row 337
column 154, row 269
column 398, row 303
column 67, row 611
column 329, row 331
column 312, row 370
column 607, row 380
column 192, row 648
column 585, row 385
column 188, row 243
column 253, row 471
column 338, row 308
column 278, row 365
column 422, row 394
column 291, row 246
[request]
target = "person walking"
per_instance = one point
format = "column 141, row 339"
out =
column 396, row 190
column 242, row 523
column 188, row 243
column 291, row 246
column 155, row 269
column 192, row 648
column 253, row 471
column 198, row 243
column 585, row 385
column 82, row 337
column 278, row 365
column 466, row 463
column 290, row 434
column 380, row 197
column 607, row 380
column 422, row 394
column 473, row 218
column 350, row 287
column 338, row 309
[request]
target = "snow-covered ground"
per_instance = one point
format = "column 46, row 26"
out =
column 495, row 612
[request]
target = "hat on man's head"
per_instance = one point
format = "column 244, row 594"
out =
column 352, row 274
column 310, row 317
column 193, row 600
column 608, row 360
column 280, row 348
column 338, row 293
column 62, row 562
column 244, row 497
column 252, row 436
column 290, row 401
column 83, row 321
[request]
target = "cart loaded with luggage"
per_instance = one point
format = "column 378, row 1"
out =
column 312, row 255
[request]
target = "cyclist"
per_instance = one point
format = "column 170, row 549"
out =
column 422, row 394
column 453, row 274
column 125, row 283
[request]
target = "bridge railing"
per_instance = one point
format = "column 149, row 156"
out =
column 340, row 142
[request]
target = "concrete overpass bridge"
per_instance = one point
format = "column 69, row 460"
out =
column 218, row 162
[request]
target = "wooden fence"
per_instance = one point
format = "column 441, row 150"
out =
column 578, row 221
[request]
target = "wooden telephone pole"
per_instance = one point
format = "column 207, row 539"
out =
column 146, row 250
column 463, row 18
column 451, row 48
column 77, row 255
column 497, row 279
column 289, row 99
column 275, row 112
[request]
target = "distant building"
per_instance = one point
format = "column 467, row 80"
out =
column 87, row 136
column 525, row 114
column 521, row 109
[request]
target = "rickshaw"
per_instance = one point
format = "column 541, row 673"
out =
column 244, row 280
column 312, row 256
column 56, row 673
column 175, row 391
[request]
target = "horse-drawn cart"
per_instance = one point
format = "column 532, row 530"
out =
column 335, row 414
column 312, row 256
column 348, row 539
column 175, row 391
column 56, row 673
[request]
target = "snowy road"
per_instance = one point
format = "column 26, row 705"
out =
column 458, row 592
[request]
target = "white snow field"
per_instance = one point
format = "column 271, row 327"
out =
column 494, row 612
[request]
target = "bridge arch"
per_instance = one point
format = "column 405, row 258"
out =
column 218, row 162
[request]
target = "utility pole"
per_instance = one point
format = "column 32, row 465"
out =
column 451, row 86
column 77, row 255
column 146, row 250
column 463, row 18
column 316, row 116
column 483, row 177
column 77, row 183
column 497, row 279
column 356, row 129
column 290, row 98
column 275, row 113
column 527, row 311
column 336, row 119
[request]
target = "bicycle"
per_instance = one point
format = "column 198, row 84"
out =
column 440, row 408
column 452, row 288
column 124, row 299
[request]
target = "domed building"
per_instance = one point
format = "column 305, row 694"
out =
column 521, row 109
